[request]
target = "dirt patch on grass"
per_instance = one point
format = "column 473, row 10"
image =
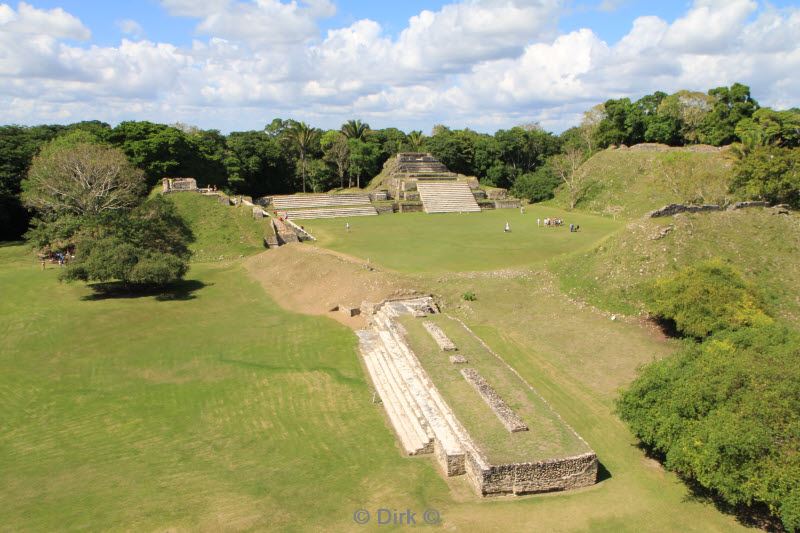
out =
column 313, row 281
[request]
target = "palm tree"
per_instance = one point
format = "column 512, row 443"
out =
column 415, row 139
column 303, row 137
column 355, row 129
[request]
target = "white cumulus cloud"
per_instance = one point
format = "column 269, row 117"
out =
column 476, row 63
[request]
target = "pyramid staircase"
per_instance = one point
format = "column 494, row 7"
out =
column 447, row 197
column 309, row 206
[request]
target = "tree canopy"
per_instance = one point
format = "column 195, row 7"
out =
column 79, row 178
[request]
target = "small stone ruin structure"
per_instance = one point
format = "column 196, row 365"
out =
column 169, row 185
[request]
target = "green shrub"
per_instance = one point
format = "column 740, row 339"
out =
column 726, row 413
column 536, row 186
column 706, row 298
column 469, row 296
column 145, row 247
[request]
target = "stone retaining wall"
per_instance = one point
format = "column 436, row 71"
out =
column 178, row 184
column 745, row 205
column 378, row 196
column 410, row 208
column 385, row 209
column 511, row 421
column 527, row 478
column 507, row 204
column 674, row 209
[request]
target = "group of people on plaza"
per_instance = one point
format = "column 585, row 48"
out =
column 548, row 223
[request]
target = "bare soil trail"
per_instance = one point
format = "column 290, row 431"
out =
column 313, row 280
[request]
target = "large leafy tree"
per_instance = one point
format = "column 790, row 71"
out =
column 769, row 173
column 257, row 164
column 365, row 158
column 147, row 246
column 730, row 105
column 80, row 178
column 159, row 150
column 724, row 414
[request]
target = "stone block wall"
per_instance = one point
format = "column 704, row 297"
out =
column 452, row 465
column 527, row 478
column 674, row 209
column 745, row 205
column 410, row 207
column 508, row 203
column 385, row 209
column 178, row 184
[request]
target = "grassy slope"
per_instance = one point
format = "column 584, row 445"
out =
column 763, row 246
column 418, row 242
column 222, row 232
column 629, row 183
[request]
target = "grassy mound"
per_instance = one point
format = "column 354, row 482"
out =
column 628, row 183
column 763, row 246
column 222, row 232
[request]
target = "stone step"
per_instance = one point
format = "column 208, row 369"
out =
column 410, row 443
column 447, row 197
column 403, row 425
column 331, row 212
column 440, row 419
column 299, row 201
column 405, row 403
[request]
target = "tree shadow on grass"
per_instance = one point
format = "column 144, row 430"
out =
column 176, row 291
column 756, row 515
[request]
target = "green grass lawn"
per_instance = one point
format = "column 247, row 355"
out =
column 222, row 411
column 419, row 242
column 216, row 409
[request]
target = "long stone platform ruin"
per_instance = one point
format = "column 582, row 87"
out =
column 426, row 421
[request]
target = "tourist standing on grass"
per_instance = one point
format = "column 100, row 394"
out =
column 347, row 227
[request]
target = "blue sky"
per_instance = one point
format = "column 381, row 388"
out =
column 485, row 64
column 101, row 17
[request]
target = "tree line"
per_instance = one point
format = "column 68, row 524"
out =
column 288, row 156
